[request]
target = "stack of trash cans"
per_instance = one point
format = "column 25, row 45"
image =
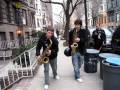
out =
column 111, row 73
column 103, row 57
column 90, row 61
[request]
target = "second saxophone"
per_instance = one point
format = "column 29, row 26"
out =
column 74, row 45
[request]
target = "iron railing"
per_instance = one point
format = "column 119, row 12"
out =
column 22, row 66
column 12, row 44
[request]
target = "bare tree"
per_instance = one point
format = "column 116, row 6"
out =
column 95, row 8
column 61, row 20
column 68, row 8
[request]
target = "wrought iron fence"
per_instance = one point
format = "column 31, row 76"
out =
column 12, row 44
column 22, row 66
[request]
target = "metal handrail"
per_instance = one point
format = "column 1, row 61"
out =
column 12, row 44
column 21, row 66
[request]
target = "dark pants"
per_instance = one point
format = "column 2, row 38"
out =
column 98, row 44
column 53, row 64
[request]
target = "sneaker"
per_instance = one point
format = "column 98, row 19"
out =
column 79, row 80
column 45, row 87
column 57, row 77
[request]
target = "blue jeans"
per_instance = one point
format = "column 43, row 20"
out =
column 77, row 60
column 53, row 64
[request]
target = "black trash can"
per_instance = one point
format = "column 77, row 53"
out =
column 101, row 67
column 111, row 75
column 102, row 58
column 90, row 61
column 106, row 49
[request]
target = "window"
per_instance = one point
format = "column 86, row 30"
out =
column 44, row 22
column 0, row 13
column 113, row 3
column 27, row 34
column 117, row 3
column 39, row 12
column 11, row 35
column 14, row 14
column 117, row 17
column 33, row 19
column 111, row 17
column 109, row 5
column 105, row 19
column 8, row 13
column 24, row 17
column 2, row 36
column 37, row 7
column 101, row 7
column 38, row 24
column 17, row 17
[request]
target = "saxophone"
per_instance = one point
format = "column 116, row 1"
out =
column 74, row 45
column 43, row 59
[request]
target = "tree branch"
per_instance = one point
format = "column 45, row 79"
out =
column 79, row 2
column 71, row 4
column 52, row 2
column 76, row 2
column 75, row 5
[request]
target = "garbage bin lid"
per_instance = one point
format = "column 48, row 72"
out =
column 107, row 55
column 113, row 60
column 92, row 51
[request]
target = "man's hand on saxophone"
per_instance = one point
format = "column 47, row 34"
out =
column 38, row 58
column 77, row 39
column 48, row 53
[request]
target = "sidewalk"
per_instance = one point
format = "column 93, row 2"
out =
column 66, row 82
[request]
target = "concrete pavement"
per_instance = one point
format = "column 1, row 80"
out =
column 67, row 82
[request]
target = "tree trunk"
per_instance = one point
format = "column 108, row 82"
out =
column 66, row 32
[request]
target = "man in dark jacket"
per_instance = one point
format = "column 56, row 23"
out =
column 44, row 42
column 78, row 36
column 116, row 41
column 99, row 38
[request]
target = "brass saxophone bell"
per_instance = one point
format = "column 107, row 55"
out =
column 43, row 60
column 74, row 45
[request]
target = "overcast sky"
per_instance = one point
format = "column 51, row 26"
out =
column 57, row 9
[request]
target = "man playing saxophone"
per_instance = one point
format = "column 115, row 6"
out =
column 77, row 40
column 49, row 43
